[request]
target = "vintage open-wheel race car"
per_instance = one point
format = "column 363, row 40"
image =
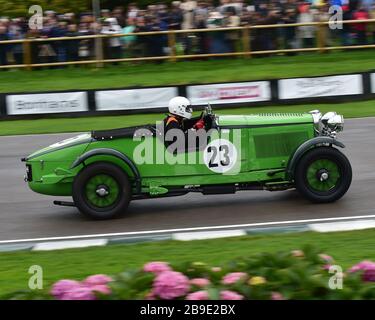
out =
column 104, row 170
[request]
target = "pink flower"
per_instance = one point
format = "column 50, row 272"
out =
column 233, row 277
column 198, row 295
column 101, row 288
column 150, row 296
column 230, row 295
column 277, row 296
column 63, row 286
column 200, row 282
column 156, row 267
column 326, row 258
column 367, row 268
column 79, row 293
column 97, row 280
column 170, row 285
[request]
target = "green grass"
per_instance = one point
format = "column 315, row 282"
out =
column 310, row 64
column 346, row 247
column 180, row 73
column 16, row 127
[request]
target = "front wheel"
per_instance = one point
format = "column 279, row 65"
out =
column 102, row 191
column 323, row 175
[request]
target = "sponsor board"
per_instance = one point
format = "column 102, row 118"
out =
column 225, row 93
column 320, row 86
column 41, row 103
column 372, row 75
column 129, row 99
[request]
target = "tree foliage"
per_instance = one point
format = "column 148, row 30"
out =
column 20, row 8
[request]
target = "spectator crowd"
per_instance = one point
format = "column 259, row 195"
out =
column 184, row 15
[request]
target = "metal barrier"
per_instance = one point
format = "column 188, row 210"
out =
column 246, row 51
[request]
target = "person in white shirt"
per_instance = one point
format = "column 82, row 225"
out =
column 113, row 44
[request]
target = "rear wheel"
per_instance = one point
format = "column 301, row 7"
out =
column 102, row 191
column 323, row 175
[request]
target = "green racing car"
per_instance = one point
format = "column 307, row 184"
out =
column 104, row 170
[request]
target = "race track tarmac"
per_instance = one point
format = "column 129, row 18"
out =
column 24, row 214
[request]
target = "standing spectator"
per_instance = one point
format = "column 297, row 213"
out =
column 232, row 20
column 34, row 46
column 118, row 13
column 156, row 44
column 16, row 33
column 162, row 13
column 3, row 47
column 105, row 14
column 175, row 17
column 346, row 34
column 85, row 46
column 61, row 31
column 360, row 28
column 113, row 45
column 289, row 33
column 218, row 43
column 188, row 7
column 132, row 10
column 140, row 47
column 72, row 46
column 129, row 41
column 306, row 34
column 372, row 26
column 48, row 49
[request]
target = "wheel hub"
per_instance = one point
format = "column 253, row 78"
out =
column 323, row 175
column 102, row 191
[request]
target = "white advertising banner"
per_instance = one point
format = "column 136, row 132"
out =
column 134, row 98
column 320, row 86
column 224, row 93
column 40, row 103
column 373, row 82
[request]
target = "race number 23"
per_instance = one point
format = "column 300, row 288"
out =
column 220, row 156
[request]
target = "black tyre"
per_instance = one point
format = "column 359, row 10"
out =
column 323, row 175
column 102, row 191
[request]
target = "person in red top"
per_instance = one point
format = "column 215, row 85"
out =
column 360, row 28
column 180, row 112
column 180, row 117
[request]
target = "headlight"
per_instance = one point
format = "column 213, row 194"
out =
column 328, row 124
column 328, row 116
column 336, row 123
column 317, row 115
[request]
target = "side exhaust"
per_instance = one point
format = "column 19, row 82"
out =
column 64, row 203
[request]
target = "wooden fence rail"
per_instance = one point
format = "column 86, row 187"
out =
column 246, row 52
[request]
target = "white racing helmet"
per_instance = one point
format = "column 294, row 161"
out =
column 180, row 106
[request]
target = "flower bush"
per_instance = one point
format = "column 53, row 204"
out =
column 300, row 274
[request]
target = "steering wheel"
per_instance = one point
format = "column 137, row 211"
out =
column 208, row 109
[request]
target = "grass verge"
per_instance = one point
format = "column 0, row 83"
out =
column 17, row 127
column 346, row 247
column 186, row 72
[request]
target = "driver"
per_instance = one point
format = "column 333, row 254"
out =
column 179, row 117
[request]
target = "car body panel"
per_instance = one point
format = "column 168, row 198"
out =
column 264, row 143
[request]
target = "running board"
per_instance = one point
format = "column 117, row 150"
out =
column 64, row 203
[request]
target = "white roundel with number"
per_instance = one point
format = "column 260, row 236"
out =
column 220, row 155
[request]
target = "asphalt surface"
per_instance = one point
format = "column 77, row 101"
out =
column 24, row 214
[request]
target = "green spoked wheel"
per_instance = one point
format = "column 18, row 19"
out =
column 102, row 191
column 323, row 174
